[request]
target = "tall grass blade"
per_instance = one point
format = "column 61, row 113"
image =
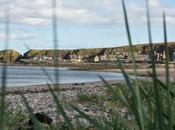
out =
column 170, row 114
column 154, row 76
column 166, row 51
column 132, row 106
column 113, row 92
column 138, row 99
column 129, row 35
column 129, row 103
column 55, row 40
column 127, row 80
column 48, row 75
column 163, row 85
column 4, row 71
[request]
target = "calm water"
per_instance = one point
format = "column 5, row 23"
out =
column 24, row 76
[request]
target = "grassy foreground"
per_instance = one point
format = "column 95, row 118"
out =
column 150, row 105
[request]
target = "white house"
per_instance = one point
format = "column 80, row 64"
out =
column 112, row 57
column 96, row 59
column 103, row 57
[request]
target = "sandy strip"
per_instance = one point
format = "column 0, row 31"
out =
column 61, row 87
column 161, row 72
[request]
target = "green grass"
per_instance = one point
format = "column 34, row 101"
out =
column 91, row 98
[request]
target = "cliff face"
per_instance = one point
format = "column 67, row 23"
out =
column 9, row 56
column 143, row 49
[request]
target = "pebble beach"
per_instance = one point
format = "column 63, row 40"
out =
column 41, row 100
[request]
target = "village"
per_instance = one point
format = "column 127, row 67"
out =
column 125, row 57
column 100, row 55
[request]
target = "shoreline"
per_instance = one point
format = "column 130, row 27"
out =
column 61, row 87
column 145, row 73
column 41, row 100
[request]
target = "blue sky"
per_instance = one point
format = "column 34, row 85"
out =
column 82, row 23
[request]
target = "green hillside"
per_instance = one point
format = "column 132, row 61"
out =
column 9, row 56
column 49, row 53
column 142, row 48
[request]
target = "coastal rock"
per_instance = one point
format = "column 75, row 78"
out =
column 42, row 118
column 29, row 125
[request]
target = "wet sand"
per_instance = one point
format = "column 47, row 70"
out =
column 161, row 72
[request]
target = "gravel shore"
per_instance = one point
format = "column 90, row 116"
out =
column 40, row 99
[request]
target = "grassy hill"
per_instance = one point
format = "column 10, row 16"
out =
column 143, row 48
column 9, row 56
column 49, row 53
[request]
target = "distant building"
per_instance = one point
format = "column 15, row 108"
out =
column 139, row 58
column 112, row 57
column 85, row 58
column 103, row 57
column 79, row 59
column 75, row 58
column 160, row 53
column 49, row 58
column 44, row 57
column 160, row 56
column 96, row 59
column 58, row 58
column 120, row 56
column 35, row 58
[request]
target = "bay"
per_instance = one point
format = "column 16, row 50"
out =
column 27, row 75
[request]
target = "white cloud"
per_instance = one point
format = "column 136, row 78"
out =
column 154, row 3
column 18, row 36
column 34, row 21
column 103, row 12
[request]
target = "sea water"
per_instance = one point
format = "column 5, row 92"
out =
column 26, row 75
